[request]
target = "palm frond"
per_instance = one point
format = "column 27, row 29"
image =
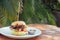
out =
column 9, row 10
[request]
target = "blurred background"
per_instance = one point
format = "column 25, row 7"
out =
column 30, row 11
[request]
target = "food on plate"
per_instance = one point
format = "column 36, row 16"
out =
column 19, row 28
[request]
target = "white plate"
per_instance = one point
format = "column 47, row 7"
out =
column 7, row 32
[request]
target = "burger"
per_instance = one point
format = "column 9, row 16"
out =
column 19, row 28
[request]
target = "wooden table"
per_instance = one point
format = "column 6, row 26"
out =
column 49, row 32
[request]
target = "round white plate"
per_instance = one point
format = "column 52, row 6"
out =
column 7, row 32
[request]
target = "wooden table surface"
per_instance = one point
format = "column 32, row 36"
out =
column 49, row 32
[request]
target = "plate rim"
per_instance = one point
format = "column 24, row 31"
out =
column 29, row 36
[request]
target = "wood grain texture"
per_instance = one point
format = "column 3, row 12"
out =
column 45, row 33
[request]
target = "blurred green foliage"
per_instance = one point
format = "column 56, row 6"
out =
column 8, row 11
column 57, row 6
column 36, row 12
